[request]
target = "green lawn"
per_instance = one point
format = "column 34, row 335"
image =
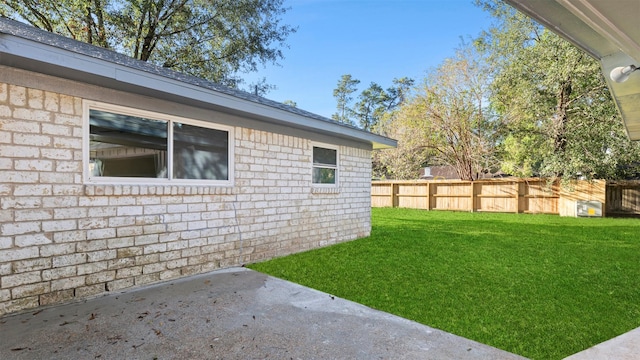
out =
column 541, row 286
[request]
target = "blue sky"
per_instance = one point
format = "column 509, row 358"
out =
column 373, row 40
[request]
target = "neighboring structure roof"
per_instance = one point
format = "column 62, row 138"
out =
column 25, row 47
column 609, row 30
column 448, row 172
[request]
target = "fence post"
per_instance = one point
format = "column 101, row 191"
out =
column 429, row 196
column 473, row 196
column 394, row 194
column 517, row 195
column 616, row 197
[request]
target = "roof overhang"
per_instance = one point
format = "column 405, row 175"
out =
column 27, row 48
column 609, row 30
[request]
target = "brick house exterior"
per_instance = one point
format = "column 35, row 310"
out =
column 75, row 222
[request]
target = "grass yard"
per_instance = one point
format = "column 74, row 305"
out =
column 541, row 286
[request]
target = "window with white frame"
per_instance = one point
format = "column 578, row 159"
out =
column 325, row 165
column 128, row 145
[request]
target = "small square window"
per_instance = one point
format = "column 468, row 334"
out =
column 325, row 166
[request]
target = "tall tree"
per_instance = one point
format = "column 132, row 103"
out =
column 376, row 105
column 554, row 102
column 212, row 39
column 448, row 122
column 83, row 20
column 368, row 110
column 347, row 85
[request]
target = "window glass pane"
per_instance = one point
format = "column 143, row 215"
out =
column 127, row 146
column 324, row 176
column 200, row 153
column 324, row 156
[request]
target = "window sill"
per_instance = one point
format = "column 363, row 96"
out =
column 153, row 189
column 325, row 190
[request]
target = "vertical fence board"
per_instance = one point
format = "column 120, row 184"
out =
column 382, row 194
column 508, row 195
column 412, row 195
column 623, row 198
column 497, row 196
column 574, row 191
column 540, row 196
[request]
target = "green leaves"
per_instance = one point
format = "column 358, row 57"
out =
column 521, row 99
column 375, row 105
column 448, row 121
column 347, row 85
column 552, row 98
column 215, row 40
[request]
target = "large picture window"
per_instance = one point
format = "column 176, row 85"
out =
column 325, row 165
column 134, row 146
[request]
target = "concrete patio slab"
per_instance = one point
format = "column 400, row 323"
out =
column 623, row 347
column 228, row 314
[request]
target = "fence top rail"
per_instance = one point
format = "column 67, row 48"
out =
column 623, row 182
column 454, row 181
column 506, row 180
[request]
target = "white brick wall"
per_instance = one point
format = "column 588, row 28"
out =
column 61, row 239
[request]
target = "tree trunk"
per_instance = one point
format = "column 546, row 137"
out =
column 560, row 118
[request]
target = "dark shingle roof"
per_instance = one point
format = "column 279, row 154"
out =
column 20, row 30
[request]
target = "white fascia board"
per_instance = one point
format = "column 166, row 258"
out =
column 194, row 92
column 52, row 55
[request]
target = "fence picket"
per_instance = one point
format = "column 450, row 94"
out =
column 531, row 195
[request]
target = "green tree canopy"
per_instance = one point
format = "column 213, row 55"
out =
column 447, row 122
column 374, row 105
column 554, row 102
column 212, row 39
column 347, row 85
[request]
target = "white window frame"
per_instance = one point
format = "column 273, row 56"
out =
column 88, row 105
column 337, row 167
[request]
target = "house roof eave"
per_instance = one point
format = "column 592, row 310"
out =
column 24, row 47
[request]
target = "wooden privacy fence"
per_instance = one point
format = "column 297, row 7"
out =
column 623, row 197
column 514, row 195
